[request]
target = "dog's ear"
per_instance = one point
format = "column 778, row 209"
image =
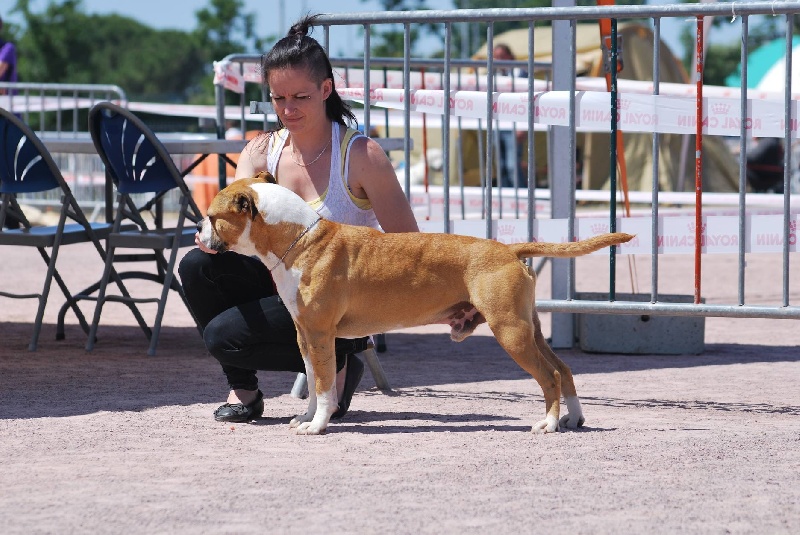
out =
column 265, row 176
column 245, row 205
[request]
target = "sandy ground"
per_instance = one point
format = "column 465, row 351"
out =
column 115, row 441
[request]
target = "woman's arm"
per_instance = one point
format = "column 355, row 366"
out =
column 253, row 157
column 371, row 176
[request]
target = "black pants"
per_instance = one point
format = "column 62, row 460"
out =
column 246, row 326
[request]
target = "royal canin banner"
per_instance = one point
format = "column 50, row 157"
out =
column 676, row 234
column 233, row 76
column 635, row 112
column 672, row 111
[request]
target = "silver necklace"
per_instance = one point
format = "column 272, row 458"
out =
column 294, row 159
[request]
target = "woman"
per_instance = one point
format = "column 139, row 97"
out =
column 345, row 176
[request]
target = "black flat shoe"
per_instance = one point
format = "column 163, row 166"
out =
column 353, row 375
column 239, row 412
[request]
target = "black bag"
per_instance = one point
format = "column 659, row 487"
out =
column 765, row 166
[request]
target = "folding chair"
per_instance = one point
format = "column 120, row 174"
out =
column 138, row 163
column 27, row 167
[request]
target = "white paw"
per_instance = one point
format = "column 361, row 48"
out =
column 548, row 425
column 300, row 419
column 571, row 422
column 309, row 428
column 574, row 417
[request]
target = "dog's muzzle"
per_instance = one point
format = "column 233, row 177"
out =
column 208, row 237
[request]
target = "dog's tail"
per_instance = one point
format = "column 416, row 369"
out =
column 569, row 249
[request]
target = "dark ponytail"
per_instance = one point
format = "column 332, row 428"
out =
column 298, row 50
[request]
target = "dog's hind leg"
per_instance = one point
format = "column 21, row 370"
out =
column 515, row 335
column 574, row 417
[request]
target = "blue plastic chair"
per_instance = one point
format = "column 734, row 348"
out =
column 26, row 166
column 138, row 163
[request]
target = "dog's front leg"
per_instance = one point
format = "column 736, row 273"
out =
column 312, row 393
column 320, row 361
column 312, row 397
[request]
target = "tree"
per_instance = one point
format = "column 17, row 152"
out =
column 223, row 29
column 391, row 38
column 65, row 45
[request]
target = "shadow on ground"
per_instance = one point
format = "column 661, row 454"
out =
column 62, row 379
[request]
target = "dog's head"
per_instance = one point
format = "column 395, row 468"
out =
column 231, row 213
column 242, row 216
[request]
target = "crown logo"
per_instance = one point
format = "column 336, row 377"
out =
column 505, row 230
column 720, row 108
column 599, row 228
column 623, row 104
column 692, row 227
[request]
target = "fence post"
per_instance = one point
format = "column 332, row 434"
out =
column 562, row 333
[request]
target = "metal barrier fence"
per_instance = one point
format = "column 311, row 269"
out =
column 58, row 106
column 58, row 111
column 652, row 228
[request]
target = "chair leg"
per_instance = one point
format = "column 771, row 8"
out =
column 51, row 270
column 162, row 303
column 381, row 381
column 70, row 303
column 101, row 296
column 380, row 343
column 37, row 325
column 300, row 386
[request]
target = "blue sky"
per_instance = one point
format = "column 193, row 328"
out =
column 180, row 14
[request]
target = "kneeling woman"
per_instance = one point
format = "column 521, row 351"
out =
column 342, row 174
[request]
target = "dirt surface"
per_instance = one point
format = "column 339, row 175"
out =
column 114, row 441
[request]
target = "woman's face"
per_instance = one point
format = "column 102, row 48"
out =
column 297, row 99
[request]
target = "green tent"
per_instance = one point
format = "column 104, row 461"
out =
column 760, row 61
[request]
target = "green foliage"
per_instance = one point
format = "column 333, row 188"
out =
column 721, row 62
column 224, row 29
column 63, row 44
column 388, row 41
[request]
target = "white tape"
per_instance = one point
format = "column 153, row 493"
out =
column 676, row 235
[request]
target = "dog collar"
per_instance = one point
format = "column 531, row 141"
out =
column 297, row 239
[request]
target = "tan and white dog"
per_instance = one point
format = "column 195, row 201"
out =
column 348, row 281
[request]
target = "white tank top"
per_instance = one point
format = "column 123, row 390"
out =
column 337, row 203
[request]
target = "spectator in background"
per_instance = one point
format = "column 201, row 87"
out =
column 509, row 141
column 8, row 73
column 8, row 61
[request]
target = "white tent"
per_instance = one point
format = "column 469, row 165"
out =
column 775, row 78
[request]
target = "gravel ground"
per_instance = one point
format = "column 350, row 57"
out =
column 114, row 441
